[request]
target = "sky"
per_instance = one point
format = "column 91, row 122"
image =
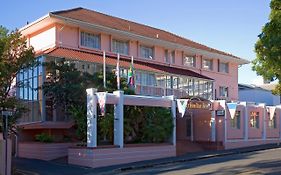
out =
column 227, row 25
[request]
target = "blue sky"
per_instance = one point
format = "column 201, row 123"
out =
column 228, row 25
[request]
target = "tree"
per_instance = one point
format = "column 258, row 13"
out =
column 268, row 47
column 14, row 56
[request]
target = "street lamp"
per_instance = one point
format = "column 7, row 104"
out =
column 6, row 114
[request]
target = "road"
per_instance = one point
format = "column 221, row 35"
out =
column 260, row 162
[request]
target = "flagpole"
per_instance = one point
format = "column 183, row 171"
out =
column 104, row 70
column 118, row 72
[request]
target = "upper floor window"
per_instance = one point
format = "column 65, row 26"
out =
column 207, row 64
column 189, row 61
column 90, row 40
column 235, row 121
column 121, row 47
column 223, row 91
column 272, row 122
column 170, row 56
column 254, row 120
column 223, row 67
column 146, row 52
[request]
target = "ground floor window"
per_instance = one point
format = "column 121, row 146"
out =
column 254, row 120
column 235, row 121
column 272, row 122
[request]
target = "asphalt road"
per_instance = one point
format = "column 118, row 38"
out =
column 259, row 162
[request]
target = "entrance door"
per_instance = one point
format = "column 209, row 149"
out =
column 184, row 127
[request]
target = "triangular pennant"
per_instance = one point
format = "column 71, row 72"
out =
column 271, row 112
column 101, row 96
column 232, row 109
column 182, row 105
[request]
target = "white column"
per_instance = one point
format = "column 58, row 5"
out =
column 213, row 126
column 279, row 118
column 91, row 117
column 174, row 117
column 264, row 121
column 119, row 119
column 225, row 120
column 246, row 121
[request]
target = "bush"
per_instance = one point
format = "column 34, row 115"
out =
column 43, row 137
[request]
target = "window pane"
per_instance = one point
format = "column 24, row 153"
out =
column 207, row 64
column 146, row 52
column 90, row 40
column 189, row 61
column 121, row 47
column 223, row 67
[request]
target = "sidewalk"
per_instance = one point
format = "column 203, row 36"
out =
column 57, row 168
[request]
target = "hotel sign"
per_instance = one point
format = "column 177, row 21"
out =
column 199, row 105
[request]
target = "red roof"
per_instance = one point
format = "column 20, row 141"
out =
column 94, row 17
column 96, row 57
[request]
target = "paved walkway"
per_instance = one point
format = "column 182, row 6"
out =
column 59, row 167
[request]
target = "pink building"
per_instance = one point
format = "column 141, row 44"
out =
column 166, row 64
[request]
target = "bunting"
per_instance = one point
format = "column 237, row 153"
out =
column 232, row 109
column 101, row 96
column 182, row 106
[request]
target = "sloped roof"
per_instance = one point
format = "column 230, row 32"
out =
column 96, row 57
column 93, row 17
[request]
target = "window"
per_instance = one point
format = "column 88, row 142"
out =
column 254, row 120
column 121, row 47
column 207, row 64
column 272, row 122
column 167, row 58
column 235, row 122
column 173, row 57
column 223, row 91
column 90, row 40
column 189, row 61
column 223, row 67
column 146, row 52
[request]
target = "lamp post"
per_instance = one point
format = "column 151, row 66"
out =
column 5, row 115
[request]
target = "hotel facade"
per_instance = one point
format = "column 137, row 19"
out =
column 166, row 64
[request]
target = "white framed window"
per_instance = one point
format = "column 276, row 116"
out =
column 235, row 121
column 223, row 67
column 90, row 40
column 223, row 91
column 121, row 47
column 146, row 52
column 207, row 64
column 189, row 61
column 254, row 120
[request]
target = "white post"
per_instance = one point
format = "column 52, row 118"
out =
column 264, row 121
column 225, row 121
column 213, row 126
column 104, row 70
column 174, row 117
column 91, row 117
column 119, row 119
column 246, row 122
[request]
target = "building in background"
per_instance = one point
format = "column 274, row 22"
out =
column 259, row 94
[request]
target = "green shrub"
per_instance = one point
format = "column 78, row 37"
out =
column 43, row 137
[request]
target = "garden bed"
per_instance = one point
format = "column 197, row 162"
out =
column 43, row 151
column 106, row 156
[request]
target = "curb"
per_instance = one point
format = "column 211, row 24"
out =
column 236, row 151
column 24, row 172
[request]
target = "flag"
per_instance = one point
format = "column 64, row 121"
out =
column 271, row 111
column 101, row 96
column 131, row 75
column 117, row 72
column 232, row 109
column 182, row 105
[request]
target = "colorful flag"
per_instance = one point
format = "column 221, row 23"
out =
column 182, row 106
column 117, row 73
column 131, row 75
column 232, row 109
